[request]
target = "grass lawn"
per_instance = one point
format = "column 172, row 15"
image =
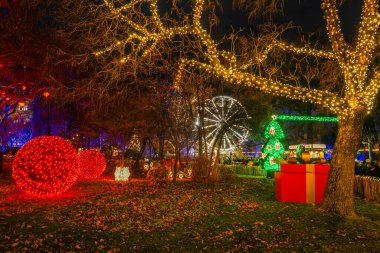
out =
column 237, row 215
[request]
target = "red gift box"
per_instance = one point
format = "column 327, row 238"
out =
column 302, row 183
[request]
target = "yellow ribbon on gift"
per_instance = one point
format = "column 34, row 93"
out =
column 310, row 183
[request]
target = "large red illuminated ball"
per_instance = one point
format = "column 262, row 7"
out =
column 46, row 166
column 91, row 163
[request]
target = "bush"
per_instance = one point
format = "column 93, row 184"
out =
column 270, row 173
column 225, row 173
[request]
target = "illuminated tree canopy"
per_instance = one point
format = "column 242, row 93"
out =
column 145, row 33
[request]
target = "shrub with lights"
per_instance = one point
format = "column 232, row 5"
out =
column 273, row 148
column 46, row 166
column 91, row 164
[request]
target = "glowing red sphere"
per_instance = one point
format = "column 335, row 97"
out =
column 91, row 163
column 46, row 166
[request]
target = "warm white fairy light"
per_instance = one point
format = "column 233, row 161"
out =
column 122, row 173
column 354, row 61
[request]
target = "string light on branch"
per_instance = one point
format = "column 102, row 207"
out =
column 296, row 50
column 45, row 166
column 354, row 61
column 91, row 163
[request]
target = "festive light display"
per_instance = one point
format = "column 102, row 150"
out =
column 356, row 62
column 224, row 122
column 134, row 143
column 91, row 163
column 46, row 94
column 306, row 118
column 46, row 166
column 273, row 148
column 122, row 174
column 273, row 133
column 310, row 146
column 273, row 128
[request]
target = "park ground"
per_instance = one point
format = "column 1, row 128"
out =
column 240, row 214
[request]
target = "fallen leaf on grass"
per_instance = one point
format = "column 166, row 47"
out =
column 249, row 205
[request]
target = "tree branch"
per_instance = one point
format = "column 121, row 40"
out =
column 334, row 30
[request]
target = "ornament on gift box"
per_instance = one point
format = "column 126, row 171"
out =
column 305, row 156
column 300, row 148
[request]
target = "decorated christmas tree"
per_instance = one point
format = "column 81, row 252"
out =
column 273, row 148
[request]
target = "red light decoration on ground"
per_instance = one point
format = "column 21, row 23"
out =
column 46, row 166
column 91, row 163
column 46, row 94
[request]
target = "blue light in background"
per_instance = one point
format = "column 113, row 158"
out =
column 328, row 155
column 360, row 157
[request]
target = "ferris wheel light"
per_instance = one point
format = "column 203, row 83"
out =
column 224, row 120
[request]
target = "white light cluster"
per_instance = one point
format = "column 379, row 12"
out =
column 122, row 173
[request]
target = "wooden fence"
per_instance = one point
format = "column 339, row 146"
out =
column 367, row 188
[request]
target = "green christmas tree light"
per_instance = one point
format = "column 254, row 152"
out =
column 273, row 148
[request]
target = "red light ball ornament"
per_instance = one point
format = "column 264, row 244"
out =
column 91, row 163
column 46, row 166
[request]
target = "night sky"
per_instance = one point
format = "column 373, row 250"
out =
column 304, row 13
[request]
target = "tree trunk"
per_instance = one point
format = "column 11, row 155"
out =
column 48, row 127
column 175, row 166
column 137, row 171
column 78, row 142
column 309, row 130
column 370, row 154
column 162, row 143
column 200, row 129
column 339, row 193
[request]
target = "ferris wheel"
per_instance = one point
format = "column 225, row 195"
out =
column 225, row 121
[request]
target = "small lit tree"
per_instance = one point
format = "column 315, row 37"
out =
column 273, row 148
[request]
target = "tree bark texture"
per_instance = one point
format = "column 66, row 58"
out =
column 339, row 193
column 137, row 171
